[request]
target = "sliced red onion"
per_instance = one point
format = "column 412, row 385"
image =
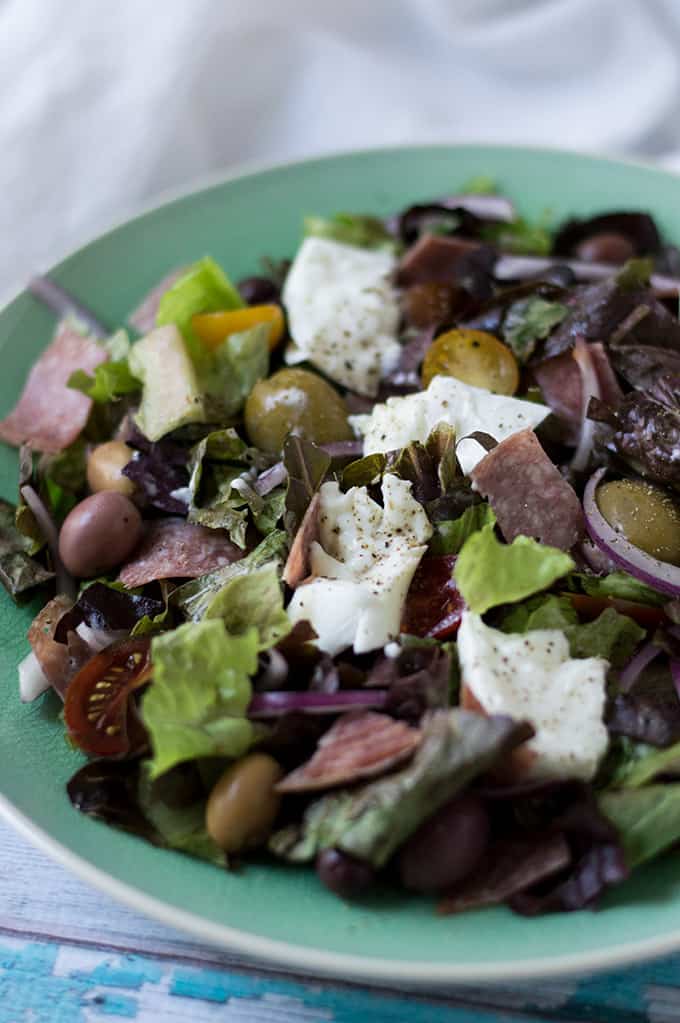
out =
column 636, row 665
column 509, row 267
column 675, row 672
column 590, row 388
column 486, row 207
column 343, row 448
column 32, row 681
column 65, row 582
column 272, row 705
column 64, row 304
column 660, row 575
column 270, row 479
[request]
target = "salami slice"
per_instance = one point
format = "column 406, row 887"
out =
column 175, row 549
column 59, row 661
column 528, row 494
column 434, row 258
column 143, row 318
column 49, row 415
column 361, row 744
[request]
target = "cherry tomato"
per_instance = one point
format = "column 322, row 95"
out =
column 475, row 357
column 98, row 712
column 590, row 607
column 434, row 607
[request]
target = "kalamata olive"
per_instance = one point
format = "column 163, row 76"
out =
column 646, row 515
column 295, row 400
column 99, row 533
column 104, row 468
column 475, row 357
column 243, row 805
column 447, row 847
column 425, row 305
column 345, row 875
column 605, row 247
column 258, row 290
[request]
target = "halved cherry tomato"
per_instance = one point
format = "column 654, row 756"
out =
column 212, row 328
column 433, row 607
column 590, row 607
column 475, row 357
column 97, row 710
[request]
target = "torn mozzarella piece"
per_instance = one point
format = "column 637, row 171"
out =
column 343, row 312
column 531, row 676
column 362, row 566
column 399, row 421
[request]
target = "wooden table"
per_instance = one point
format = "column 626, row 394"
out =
column 70, row 955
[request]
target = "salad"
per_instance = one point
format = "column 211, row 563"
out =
column 372, row 562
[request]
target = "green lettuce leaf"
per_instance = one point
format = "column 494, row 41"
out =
column 647, row 819
column 194, row 597
column 196, row 705
column 220, row 494
column 307, row 466
column 112, row 379
column 254, row 601
column 611, row 635
column 635, row 273
column 489, row 572
column 480, row 184
column 228, row 374
column 450, row 535
column 372, row 820
column 364, row 471
column 352, row 229
column 18, row 570
column 62, row 478
column 619, row 585
column 644, row 763
column 177, row 812
column 204, row 288
column 520, row 237
column 528, row 321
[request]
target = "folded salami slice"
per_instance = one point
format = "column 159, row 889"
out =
column 528, row 493
column 49, row 415
column 361, row 744
column 175, row 549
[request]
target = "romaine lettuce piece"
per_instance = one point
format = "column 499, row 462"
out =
column 648, row 819
column 196, row 705
column 450, row 535
column 203, row 288
column 489, row 573
column 255, row 601
column 372, row 820
column 171, row 396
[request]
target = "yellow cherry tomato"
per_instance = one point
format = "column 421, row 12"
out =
column 212, row 328
column 475, row 357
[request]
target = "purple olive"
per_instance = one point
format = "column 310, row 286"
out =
column 343, row 874
column 99, row 533
column 605, row 247
column 447, row 847
column 258, row 291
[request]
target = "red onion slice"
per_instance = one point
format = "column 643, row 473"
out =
column 675, row 672
column 64, row 304
column 590, row 388
column 636, row 665
column 271, row 705
column 509, row 267
column 65, row 583
column 486, row 207
column 270, row 479
column 660, row 575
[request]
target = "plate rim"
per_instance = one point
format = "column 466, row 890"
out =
column 272, row 951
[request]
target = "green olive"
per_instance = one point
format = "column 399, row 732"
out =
column 243, row 805
column 295, row 401
column 105, row 465
column 647, row 516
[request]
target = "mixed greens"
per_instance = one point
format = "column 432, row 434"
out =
column 372, row 561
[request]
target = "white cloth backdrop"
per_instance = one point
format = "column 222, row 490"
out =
column 105, row 104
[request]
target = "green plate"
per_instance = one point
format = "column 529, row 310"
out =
column 277, row 913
